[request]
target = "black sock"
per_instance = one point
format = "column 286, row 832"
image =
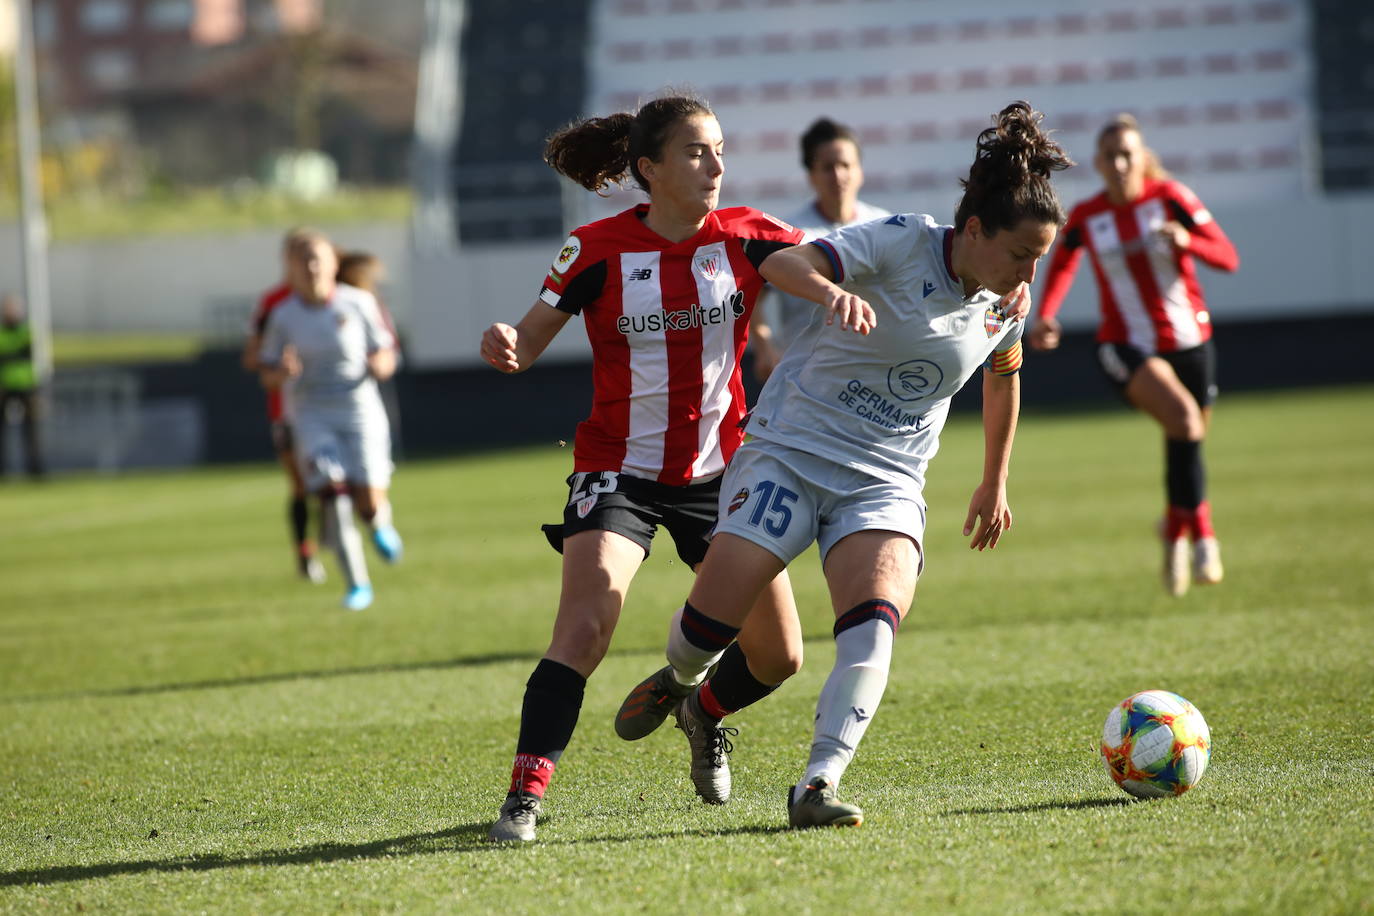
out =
column 553, row 699
column 734, row 686
column 1183, row 475
column 300, row 516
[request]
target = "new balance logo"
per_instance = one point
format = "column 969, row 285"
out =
column 926, row 289
column 641, row 273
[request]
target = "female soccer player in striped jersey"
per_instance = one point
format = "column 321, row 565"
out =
column 665, row 290
column 1143, row 234
column 845, row 428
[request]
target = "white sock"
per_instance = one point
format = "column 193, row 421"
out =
column 849, row 699
column 690, row 662
column 342, row 535
column 382, row 518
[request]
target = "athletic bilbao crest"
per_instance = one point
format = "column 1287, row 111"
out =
column 993, row 319
column 709, row 265
column 586, row 504
column 738, row 502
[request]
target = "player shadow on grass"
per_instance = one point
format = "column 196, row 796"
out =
column 463, row 838
column 1045, row 806
column 251, row 680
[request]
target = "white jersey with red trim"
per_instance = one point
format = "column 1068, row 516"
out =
column 667, row 322
column 878, row 402
column 788, row 315
column 1149, row 291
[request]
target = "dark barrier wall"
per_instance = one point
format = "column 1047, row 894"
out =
column 480, row 409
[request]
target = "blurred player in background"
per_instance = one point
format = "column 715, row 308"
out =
column 19, row 384
column 367, row 272
column 845, row 428
column 279, row 418
column 665, row 290
column 833, row 161
column 342, row 348
column 1144, row 234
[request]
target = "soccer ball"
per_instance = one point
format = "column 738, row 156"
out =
column 1155, row 743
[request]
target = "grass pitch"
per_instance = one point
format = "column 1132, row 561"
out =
column 186, row 727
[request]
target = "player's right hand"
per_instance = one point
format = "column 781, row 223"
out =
column 498, row 347
column 854, row 312
column 1045, row 334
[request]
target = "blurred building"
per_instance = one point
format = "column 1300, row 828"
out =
column 211, row 89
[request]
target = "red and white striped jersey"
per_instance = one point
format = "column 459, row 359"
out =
column 1149, row 291
column 667, row 322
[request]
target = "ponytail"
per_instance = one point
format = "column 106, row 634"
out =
column 1009, row 180
column 598, row 152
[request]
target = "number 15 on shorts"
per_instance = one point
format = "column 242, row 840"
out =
column 771, row 509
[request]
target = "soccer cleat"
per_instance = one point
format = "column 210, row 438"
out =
column 358, row 598
column 387, row 540
column 311, row 569
column 711, row 749
column 519, row 813
column 1176, row 559
column 1207, row 561
column 649, row 704
column 818, row 807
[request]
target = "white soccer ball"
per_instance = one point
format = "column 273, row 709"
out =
column 1155, row 743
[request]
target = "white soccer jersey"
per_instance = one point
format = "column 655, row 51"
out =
column 788, row 315
column 878, row 402
column 332, row 341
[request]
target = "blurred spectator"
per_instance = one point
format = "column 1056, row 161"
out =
column 19, row 383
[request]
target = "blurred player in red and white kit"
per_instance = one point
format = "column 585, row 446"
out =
column 665, row 290
column 298, row 512
column 1144, row 234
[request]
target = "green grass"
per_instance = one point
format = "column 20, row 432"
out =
column 184, row 727
column 105, row 349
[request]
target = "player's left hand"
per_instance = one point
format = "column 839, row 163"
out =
column 989, row 510
column 1016, row 305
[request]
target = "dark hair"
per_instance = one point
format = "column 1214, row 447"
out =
column 597, row 152
column 360, row 269
column 1127, row 122
column 1010, row 177
column 824, row 130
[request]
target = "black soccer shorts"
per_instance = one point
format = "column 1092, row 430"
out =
column 1195, row 367
column 635, row 507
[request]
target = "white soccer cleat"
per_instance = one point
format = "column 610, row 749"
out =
column 1207, row 562
column 1176, row 560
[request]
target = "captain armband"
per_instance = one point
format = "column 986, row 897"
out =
column 1005, row 362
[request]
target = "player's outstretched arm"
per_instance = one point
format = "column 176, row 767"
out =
column 514, row 349
column 804, row 271
column 988, row 509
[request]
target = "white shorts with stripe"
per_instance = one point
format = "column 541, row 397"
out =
column 783, row 499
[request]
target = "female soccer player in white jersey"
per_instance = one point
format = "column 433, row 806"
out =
column 1143, row 234
column 665, row 290
column 845, row 427
column 342, row 346
column 834, row 168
